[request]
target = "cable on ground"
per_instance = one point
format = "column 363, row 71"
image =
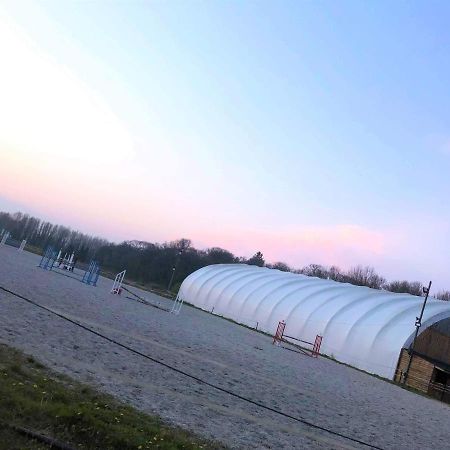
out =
column 193, row 377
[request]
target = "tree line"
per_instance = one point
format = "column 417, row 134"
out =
column 40, row 234
column 154, row 263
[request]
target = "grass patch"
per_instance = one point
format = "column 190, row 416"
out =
column 55, row 406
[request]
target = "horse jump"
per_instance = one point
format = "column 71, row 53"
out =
column 279, row 337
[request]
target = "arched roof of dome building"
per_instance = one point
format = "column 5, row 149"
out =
column 363, row 327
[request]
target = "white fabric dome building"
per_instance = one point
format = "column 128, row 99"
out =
column 363, row 327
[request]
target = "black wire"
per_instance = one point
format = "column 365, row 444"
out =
column 193, row 377
column 143, row 301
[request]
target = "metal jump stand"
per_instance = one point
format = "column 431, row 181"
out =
column 48, row 259
column 91, row 275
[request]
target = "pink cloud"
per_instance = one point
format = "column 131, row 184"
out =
column 342, row 245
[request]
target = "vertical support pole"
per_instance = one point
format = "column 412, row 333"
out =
column 418, row 325
column 22, row 245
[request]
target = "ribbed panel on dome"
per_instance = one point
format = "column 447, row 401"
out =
column 363, row 327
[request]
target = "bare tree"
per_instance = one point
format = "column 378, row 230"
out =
column 365, row 276
column 443, row 295
column 280, row 266
column 335, row 274
column 257, row 260
column 406, row 287
column 315, row 270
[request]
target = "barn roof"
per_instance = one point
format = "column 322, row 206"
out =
column 363, row 327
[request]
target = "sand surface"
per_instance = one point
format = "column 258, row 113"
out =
column 318, row 390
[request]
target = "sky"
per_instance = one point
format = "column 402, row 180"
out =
column 315, row 132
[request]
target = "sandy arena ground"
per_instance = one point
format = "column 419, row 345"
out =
column 318, row 390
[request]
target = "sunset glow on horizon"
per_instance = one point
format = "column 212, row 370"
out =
column 315, row 134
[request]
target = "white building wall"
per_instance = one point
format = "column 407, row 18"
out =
column 363, row 327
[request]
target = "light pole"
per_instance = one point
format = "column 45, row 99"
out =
column 418, row 325
column 174, row 268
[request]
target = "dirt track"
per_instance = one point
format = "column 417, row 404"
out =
column 318, row 390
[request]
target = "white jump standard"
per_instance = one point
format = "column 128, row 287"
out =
column 177, row 304
column 66, row 263
column 117, row 285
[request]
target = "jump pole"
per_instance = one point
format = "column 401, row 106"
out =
column 22, row 245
